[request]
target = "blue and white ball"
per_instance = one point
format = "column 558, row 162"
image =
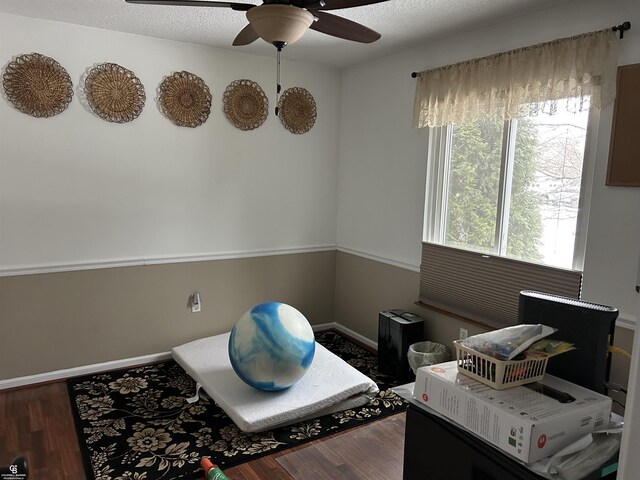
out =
column 271, row 346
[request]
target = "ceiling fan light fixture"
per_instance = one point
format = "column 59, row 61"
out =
column 277, row 24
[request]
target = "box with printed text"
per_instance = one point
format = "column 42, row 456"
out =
column 529, row 422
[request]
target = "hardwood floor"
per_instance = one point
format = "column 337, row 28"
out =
column 372, row 452
column 36, row 422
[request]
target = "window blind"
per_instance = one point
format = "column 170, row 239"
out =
column 485, row 288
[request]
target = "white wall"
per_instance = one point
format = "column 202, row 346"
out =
column 629, row 459
column 77, row 190
column 383, row 160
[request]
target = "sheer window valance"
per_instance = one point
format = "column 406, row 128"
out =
column 580, row 68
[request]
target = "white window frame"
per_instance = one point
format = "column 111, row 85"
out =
column 437, row 180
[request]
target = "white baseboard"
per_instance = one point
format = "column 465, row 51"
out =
column 347, row 331
column 84, row 370
column 130, row 362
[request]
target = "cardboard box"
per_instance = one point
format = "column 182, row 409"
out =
column 523, row 422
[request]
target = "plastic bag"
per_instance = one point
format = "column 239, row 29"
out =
column 427, row 353
column 507, row 343
column 579, row 464
column 582, row 457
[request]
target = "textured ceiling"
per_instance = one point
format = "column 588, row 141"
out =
column 402, row 23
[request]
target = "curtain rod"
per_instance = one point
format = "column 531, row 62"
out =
column 623, row 27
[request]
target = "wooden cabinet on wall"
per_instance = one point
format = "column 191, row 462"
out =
column 624, row 150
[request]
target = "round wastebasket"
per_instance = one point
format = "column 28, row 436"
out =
column 422, row 354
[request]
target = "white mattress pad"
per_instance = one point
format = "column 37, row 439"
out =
column 330, row 385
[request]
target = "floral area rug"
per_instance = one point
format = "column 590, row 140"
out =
column 135, row 424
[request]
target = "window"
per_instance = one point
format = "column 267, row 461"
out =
column 511, row 188
column 505, row 211
column 509, row 173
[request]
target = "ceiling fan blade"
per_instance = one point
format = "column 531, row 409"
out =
column 243, row 7
column 338, row 4
column 246, row 36
column 343, row 28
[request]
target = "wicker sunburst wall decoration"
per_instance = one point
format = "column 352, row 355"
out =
column 37, row 85
column 297, row 110
column 185, row 99
column 114, row 93
column 245, row 104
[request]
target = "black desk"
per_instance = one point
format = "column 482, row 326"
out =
column 436, row 449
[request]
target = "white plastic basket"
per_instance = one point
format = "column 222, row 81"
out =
column 497, row 373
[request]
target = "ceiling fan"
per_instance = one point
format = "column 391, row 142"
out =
column 282, row 22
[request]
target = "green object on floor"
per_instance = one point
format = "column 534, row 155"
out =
column 212, row 471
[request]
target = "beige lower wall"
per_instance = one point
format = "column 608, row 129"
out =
column 61, row 320
column 365, row 287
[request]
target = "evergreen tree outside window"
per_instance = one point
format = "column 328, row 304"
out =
column 509, row 173
column 511, row 188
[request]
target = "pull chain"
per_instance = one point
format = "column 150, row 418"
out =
column 278, row 86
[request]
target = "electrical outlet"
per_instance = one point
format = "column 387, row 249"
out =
column 196, row 304
column 464, row 333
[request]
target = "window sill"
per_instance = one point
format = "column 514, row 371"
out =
column 457, row 316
